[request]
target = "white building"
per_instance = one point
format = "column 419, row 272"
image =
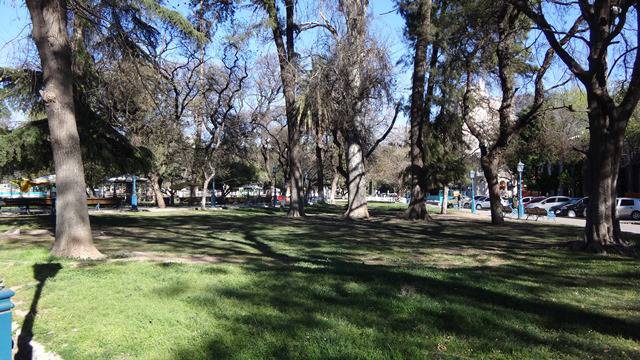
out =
column 485, row 116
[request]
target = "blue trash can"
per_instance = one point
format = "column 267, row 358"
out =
column 5, row 323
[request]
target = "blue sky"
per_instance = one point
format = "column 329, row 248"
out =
column 387, row 26
column 15, row 28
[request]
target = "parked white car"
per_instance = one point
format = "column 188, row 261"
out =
column 628, row 207
column 549, row 202
column 483, row 202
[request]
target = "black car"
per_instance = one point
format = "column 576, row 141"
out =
column 571, row 201
column 573, row 208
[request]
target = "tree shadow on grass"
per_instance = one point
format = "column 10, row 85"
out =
column 41, row 272
column 314, row 293
column 307, row 288
column 402, row 313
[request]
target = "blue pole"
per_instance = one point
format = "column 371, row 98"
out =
column 53, row 195
column 520, row 204
column 213, row 194
column 473, row 196
column 5, row 323
column 134, row 196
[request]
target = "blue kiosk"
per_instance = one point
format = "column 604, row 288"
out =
column 5, row 322
column 133, row 191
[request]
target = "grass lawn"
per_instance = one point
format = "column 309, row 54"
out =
column 252, row 284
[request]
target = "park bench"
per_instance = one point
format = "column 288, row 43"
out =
column 537, row 212
column 25, row 205
column 28, row 203
column 508, row 210
column 102, row 202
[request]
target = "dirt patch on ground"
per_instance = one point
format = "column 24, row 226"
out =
column 168, row 257
column 443, row 259
column 162, row 257
column 453, row 258
column 26, row 232
column 22, row 237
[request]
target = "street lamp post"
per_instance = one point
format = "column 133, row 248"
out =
column 472, row 175
column 134, row 196
column 53, row 195
column 520, row 204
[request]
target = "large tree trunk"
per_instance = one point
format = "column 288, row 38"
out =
column 489, row 164
column 296, row 182
column 286, row 191
column 355, row 13
column 445, row 200
column 199, row 153
column 192, row 193
column 417, row 209
column 287, row 59
column 319, row 170
column 357, row 184
column 157, row 192
column 602, row 227
column 334, row 187
column 205, row 186
column 73, row 231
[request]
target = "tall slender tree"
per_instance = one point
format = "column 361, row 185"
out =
column 418, row 17
column 500, row 49
column 284, row 39
column 354, row 48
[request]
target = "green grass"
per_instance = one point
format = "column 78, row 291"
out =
column 322, row 288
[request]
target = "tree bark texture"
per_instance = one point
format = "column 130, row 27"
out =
column 602, row 227
column 205, row 186
column 287, row 60
column 334, row 187
column 356, row 181
column 417, row 209
column 445, row 200
column 355, row 13
column 489, row 163
column 296, row 183
column 157, row 192
column 319, row 160
column 73, row 231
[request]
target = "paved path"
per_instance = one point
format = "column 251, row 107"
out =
column 626, row 225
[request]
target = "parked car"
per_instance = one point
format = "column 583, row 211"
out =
column 530, row 199
column 628, row 207
column 625, row 208
column 572, row 208
column 483, row 202
column 549, row 202
column 466, row 202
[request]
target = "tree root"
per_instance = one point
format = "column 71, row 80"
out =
column 622, row 248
